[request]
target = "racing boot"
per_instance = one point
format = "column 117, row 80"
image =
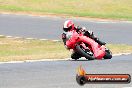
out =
column 99, row 41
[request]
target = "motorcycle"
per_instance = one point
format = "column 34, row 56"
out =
column 81, row 46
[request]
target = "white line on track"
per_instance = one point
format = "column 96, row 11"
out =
column 8, row 36
column 121, row 54
column 28, row 38
column 53, row 59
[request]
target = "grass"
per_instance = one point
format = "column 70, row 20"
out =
column 113, row 9
column 21, row 49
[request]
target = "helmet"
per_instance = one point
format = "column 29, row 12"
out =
column 68, row 25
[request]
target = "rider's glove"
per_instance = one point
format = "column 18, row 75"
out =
column 78, row 28
column 81, row 29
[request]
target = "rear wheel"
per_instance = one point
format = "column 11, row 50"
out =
column 85, row 53
column 108, row 54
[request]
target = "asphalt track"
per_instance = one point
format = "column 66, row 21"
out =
column 51, row 28
column 61, row 74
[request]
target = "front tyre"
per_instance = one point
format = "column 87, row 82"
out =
column 75, row 56
column 84, row 53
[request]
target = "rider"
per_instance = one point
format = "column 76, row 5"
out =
column 68, row 26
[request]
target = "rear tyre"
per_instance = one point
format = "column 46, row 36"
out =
column 84, row 53
column 108, row 54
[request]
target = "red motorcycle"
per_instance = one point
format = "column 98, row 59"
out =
column 87, row 47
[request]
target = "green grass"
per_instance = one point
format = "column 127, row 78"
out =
column 113, row 9
column 21, row 49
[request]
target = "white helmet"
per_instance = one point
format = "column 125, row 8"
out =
column 68, row 25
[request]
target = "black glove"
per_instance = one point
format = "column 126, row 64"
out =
column 78, row 28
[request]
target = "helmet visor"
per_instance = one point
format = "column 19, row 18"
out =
column 67, row 29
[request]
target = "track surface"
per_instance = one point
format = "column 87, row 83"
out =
column 61, row 74
column 51, row 28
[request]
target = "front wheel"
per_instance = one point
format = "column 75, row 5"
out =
column 85, row 53
column 75, row 56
